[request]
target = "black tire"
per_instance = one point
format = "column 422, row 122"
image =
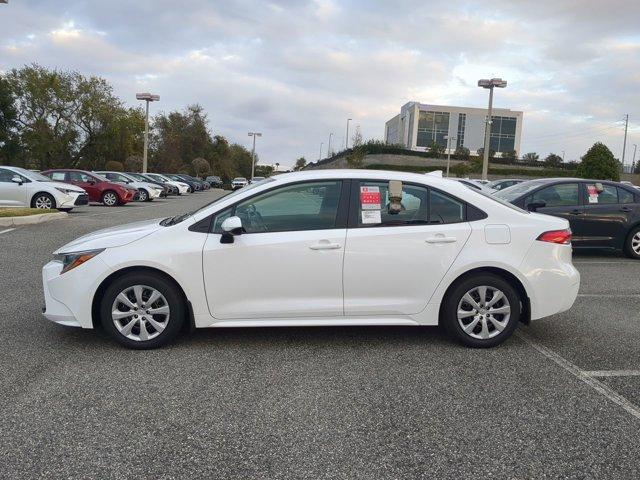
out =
column 43, row 201
column 173, row 299
column 454, row 297
column 628, row 244
column 143, row 195
column 107, row 197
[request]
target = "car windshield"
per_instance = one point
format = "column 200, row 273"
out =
column 179, row 218
column 99, row 177
column 137, row 176
column 35, row 176
column 513, row 192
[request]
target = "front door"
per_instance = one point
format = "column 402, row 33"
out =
column 562, row 200
column 12, row 194
column 395, row 260
column 87, row 182
column 288, row 263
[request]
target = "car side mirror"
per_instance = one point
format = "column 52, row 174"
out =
column 17, row 180
column 532, row 207
column 231, row 227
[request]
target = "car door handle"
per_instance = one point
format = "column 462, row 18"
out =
column 440, row 239
column 625, row 209
column 325, row 245
column 575, row 212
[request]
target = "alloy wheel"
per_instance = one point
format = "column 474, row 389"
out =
column 143, row 195
column 635, row 243
column 483, row 312
column 110, row 199
column 44, row 202
column 140, row 313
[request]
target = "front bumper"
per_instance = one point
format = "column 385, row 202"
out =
column 153, row 193
column 72, row 200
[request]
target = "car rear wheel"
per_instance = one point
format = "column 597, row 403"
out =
column 632, row 244
column 482, row 311
column 43, row 201
column 142, row 310
column 109, row 198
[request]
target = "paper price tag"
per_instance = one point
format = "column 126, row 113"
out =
column 370, row 198
column 371, row 216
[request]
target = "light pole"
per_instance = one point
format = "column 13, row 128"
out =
column 329, row 146
column 489, row 84
column 321, row 144
column 633, row 163
column 346, row 142
column 448, row 138
column 147, row 97
column 253, row 151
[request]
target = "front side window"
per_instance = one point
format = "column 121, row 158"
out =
column 564, row 194
column 599, row 194
column 6, row 175
column 305, row 206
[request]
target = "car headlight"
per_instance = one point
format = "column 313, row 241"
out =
column 66, row 191
column 75, row 259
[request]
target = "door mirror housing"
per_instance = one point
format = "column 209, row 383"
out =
column 17, row 179
column 231, row 227
column 532, row 207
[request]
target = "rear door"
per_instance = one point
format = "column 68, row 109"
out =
column 394, row 261
column 609, row 210
column 562, row 200
column 12, row 194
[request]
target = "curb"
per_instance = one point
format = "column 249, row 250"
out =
column 31, row 219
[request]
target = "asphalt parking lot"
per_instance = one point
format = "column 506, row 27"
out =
column 560, row 399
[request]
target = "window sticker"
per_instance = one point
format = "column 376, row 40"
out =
column 371, row 216
column 593, row 193
column 370, row 199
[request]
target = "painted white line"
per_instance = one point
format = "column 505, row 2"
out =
column 6, row 231
column 631, row 262
column 595, row 384
column 609, row 295
column 612, row 373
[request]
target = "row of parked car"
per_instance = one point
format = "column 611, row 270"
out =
column 64, row 189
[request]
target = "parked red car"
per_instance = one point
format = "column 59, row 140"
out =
column 99, row 188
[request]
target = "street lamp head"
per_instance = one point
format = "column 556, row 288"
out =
column 257, row 134
column 493, row 82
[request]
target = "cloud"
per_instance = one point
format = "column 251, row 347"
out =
column 296, row 70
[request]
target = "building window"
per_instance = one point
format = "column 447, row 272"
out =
column 503, row 134
column 432, row 127
column 462, row 123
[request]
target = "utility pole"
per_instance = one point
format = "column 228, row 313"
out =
column 253, row 152
column 624, row 145
column 148, row 98
column 448, row 138
column 489, row 84
column 346, row 142
column 329, row 146
column 320, row 156
column 562, row 156
column 633, row 163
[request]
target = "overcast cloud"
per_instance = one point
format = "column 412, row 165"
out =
column 296, row 70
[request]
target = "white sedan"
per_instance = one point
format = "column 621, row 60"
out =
column 183, row 188
column 324, row 247
column 25, row 188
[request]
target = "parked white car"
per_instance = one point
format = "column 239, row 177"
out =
column 239, row 182
column 323, row 247
column 183, row 188
column 147, row 191
column 25, row 188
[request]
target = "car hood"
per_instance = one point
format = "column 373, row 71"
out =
column 112, row 237
column 67, row 186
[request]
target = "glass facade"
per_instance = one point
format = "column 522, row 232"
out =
column 432, row 127
column 503, row 134
column 462, row 122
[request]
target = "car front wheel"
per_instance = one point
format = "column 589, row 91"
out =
column 142, row 310
column 110, row 198
column 43, row 201
column 482, row 311
column 143, row 195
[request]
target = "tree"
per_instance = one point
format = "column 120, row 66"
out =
column 355, row 159
column 201, row 167
column 356, row 139
column 435, row 150
column 553, row 161
column 531, row 157
column 461, row 170
column 300, row 164
column 510, row 155
column 114, row 166
column 461, row 153
column 599, row 163
column 133, row 163
column 9, row 141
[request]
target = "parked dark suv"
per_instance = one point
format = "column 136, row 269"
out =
column 602, row 214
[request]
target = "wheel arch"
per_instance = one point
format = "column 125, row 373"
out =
column 525, row 315
column 97, row 296
column 40, row 192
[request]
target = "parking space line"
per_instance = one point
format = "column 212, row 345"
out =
column 595, row 384
column 613, row 373
column 610, row 295
column 6, row 231
column 605, row 263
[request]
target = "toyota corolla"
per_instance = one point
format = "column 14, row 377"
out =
column 318, row 248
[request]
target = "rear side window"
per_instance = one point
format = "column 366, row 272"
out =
column 563, row 194
column 445, row 209
column 79, row 177
column 625, row 196
column 59, row 176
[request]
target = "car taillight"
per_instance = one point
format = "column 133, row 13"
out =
column 556, row 236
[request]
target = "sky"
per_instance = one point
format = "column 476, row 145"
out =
column 296, row 70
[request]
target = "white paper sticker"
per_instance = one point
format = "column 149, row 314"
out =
column 593, row 198
column 371, row 216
